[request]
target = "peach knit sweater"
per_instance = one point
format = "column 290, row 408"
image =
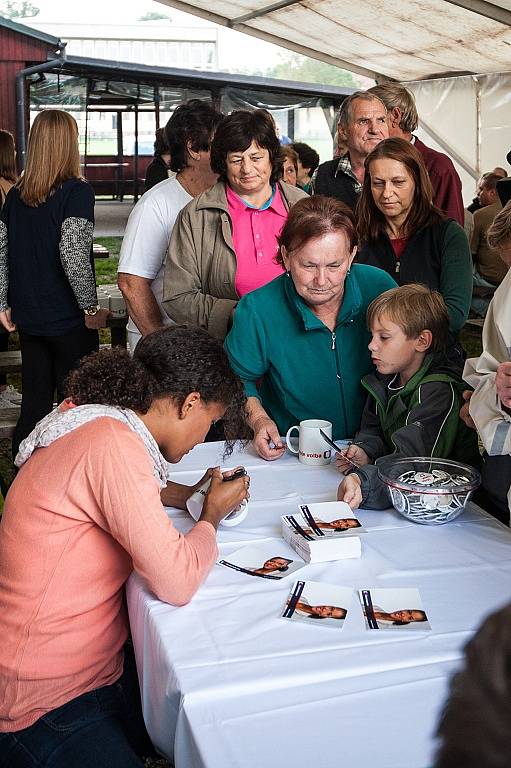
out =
column 81, row 514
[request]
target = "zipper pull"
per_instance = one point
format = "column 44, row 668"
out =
column 333, row 339
column 398, row 264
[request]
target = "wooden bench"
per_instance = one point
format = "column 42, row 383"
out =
column 99, row 251
column 8, row 419
column 475, row 324
column 10, row 361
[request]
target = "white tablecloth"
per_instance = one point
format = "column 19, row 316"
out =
column 227, row 683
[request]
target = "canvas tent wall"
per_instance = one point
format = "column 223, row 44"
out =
column 455, row 55
column 469, row 118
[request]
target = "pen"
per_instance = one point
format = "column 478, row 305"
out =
column 239, row 473
column 337, row 448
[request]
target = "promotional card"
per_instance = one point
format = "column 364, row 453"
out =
column 324, row 605
column 398, row 609
column 269, row 561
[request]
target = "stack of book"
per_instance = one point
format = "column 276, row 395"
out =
column 321, row 532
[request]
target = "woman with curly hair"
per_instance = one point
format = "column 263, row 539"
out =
column 85, row 509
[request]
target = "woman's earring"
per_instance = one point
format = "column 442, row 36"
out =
column 347, row 273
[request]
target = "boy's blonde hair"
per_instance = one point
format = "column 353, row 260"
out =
column 414, row 308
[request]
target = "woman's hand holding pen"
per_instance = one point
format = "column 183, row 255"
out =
column 352, row 455
column 222, row 497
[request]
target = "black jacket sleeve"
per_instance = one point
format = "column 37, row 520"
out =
column 370, row 435
column 427, row 432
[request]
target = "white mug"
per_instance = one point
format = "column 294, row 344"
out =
column 312, row 449
column 196, row 501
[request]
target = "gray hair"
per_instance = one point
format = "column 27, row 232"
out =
column 395, row 95
column 345, row 110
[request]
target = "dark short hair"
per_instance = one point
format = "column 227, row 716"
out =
column 371, row 222
column 194, row 121
column 308, row 156
column 313, row 217
column 160, row 143
column 237, row 131
column 288, row 153
column 489, row 180
column 170, row 362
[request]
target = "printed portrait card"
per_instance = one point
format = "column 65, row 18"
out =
column 327, row 519
column 397, row 609
column 322, row 532
column 274, row 560
column 320, row 604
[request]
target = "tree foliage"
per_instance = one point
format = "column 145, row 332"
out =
column 153, row 16
column 293, row 66
column 18, row 9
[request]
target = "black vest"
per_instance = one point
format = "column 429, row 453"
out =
column 421, row 261
column 342, row 186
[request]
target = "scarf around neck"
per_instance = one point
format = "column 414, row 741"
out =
column 68, row 417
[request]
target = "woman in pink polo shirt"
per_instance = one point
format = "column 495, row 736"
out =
column 224, row 242
column 85, row 509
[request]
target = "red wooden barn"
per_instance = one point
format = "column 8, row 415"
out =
column 20, row 47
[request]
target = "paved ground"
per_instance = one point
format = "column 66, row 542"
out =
column 111, row 218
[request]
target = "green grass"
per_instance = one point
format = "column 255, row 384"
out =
column 471, row 342
column 106, row 269
column 112, row 243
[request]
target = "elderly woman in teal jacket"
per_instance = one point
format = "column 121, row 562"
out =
column 299, row 343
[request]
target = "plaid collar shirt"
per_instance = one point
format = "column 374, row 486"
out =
column 344, row 165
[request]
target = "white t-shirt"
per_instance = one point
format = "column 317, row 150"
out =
column 146, row 239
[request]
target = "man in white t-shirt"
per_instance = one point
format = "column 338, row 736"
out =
column 144, row 247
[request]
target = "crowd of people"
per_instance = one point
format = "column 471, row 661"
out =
column 263, row 288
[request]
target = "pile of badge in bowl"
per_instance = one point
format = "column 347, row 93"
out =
column 428, row 491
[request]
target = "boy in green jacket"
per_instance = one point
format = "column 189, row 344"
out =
column 414, row 399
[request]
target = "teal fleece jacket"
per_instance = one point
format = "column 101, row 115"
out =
column 306, row 371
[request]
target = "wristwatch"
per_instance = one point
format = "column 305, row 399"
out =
column 93, row 310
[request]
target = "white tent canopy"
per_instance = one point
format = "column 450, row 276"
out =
column 454, row 56
column 397, row 39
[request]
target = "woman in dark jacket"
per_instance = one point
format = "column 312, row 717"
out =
column 402, row 232
column 47, row 282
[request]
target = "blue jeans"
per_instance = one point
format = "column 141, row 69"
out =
column 100, row 729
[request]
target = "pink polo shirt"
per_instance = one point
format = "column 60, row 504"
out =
column 254, row 235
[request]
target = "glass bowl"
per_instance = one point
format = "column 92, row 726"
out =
column 428, row 491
